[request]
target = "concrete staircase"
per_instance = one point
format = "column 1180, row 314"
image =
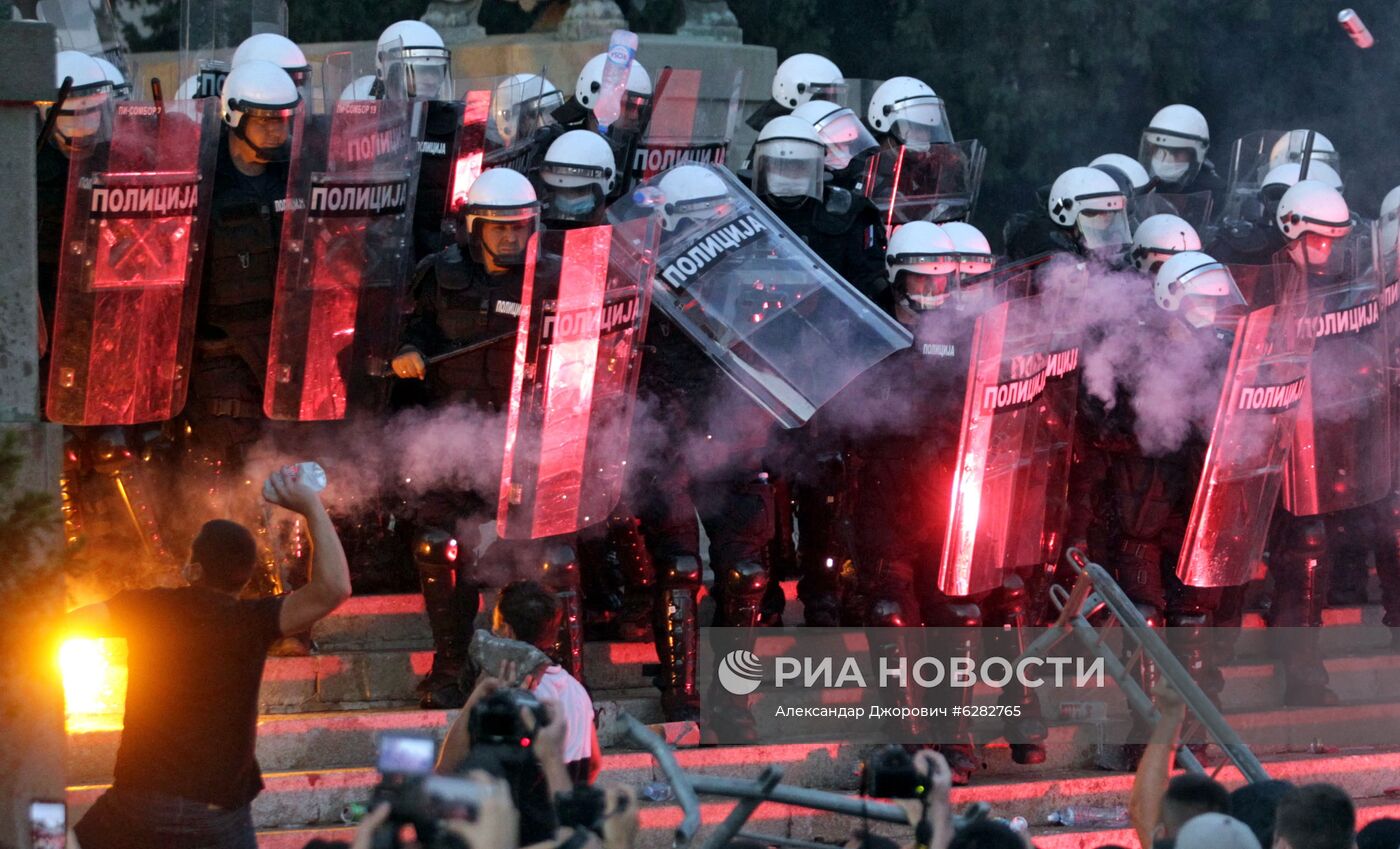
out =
column 322, row 716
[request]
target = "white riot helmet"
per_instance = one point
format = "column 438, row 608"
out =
column 1132, row 178
column 360, row 88
column 501, row 213
column 1174, row 144
column 692, row 193
column 277, row 49
column 788, row 159
column 522, row 104
column 80, row 115
column 1159, row 238
column 910, row 111
column 260, row 90
column 427, row 63
column 921, row 263
column 121, row 86
column 1312, row 216
column 1285, row 177
column 1292, row 144
column 1202, row 290
column 638, row 90
column 840, row 130
column 973, row 250
column 807, row 76
column 189, row 89
column 1090, row 202
column 1389, row 231
column 579, row 171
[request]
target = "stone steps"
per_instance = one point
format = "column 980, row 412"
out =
column 316, row 796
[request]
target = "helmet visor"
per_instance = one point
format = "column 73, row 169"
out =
column 845, row 137
column 787, row 169
column 833, row 91
column 574, row 203
column 1101, row 229
column 920, row 123
column 1211, row 298
column 925, row 292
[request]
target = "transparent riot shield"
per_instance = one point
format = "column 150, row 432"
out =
column 88, row 26
column 346, row 257
column 1265, row 285
column 1337, row 460
column 1249, row 163
column 128, row 278
column 693, row 116
column 521, row 106
column 1194, row 207
column 1265, row 382
column 577, row 356
column 775, row 318
column 474, row 141
column 938, row 184
column 210, row 30
column 1043, row 504
column 1387, row 263
column 996, row 448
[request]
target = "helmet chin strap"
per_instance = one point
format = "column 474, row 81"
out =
column 266, row 155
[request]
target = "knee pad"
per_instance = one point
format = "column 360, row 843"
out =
column 747, row 578
column 629, row 546
column 888, row 613
column 1151, row 614
column 680, row 573
column 960, row 614
column 559, row 568
column 110, row 451
column 435, row 548
column 1304, row 535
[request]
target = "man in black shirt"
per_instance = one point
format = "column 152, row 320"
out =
column 186, row 771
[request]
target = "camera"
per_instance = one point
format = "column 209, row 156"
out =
column 890, row 774
column 502, row 745
column 419, row 798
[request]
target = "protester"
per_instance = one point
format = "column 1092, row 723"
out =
column 186, row 771
column 1315, row 816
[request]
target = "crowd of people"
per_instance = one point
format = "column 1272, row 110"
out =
column 827, row 338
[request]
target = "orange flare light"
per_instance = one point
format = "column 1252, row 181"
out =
column 94, row 683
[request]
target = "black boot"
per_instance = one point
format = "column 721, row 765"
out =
column 451, row 606
column 676, row 628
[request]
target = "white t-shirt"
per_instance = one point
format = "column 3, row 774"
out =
column 578, row 711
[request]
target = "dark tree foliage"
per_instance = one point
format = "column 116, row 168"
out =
column 1049, row 84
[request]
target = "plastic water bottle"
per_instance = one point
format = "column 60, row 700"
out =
column 1077, row 816
column 308, row 472
column 621, row 49
column 657, row 791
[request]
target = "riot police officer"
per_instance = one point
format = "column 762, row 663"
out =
column 1087, row 216
column 78, row 119
column 466, row 295
column 799, row 78
column 1173, row 150
column 413, row 54
column 575, row 178
column 843, row 228
column 1158, row 239
column 1333, row 489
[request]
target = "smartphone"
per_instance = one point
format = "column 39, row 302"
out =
column 406, row 754
column 48, row 824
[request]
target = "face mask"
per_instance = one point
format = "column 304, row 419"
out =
column 783, row 186
column 1168, row 168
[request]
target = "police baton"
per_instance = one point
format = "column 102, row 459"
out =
column 387, row 370
column 47, row 132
